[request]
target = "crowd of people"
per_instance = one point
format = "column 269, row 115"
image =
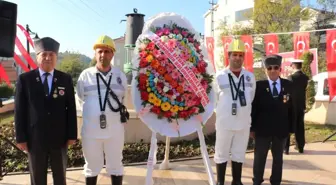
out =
column 46, row 123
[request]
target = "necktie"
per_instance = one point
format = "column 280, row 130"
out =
column 275, row 90
column 45, row 84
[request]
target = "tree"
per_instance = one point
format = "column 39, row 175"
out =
column 307, row 58
column 72, row 65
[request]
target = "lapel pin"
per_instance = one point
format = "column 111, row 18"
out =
column 119, row 80
column 55, row 79
column 37, row 79
column 267, row 89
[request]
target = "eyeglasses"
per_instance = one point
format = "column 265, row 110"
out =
column 269, row 68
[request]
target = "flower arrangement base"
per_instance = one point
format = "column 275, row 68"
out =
column 171, row 87
column 151, row 162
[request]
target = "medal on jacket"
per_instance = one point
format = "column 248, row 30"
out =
column 102, row 117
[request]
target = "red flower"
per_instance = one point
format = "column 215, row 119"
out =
column 143, row 78
column 179, row 98
column 144, row 95
column 160, row 84
column 150, row 46
column 183, row 114
column 168, row 114
column 201, row 66
column 142, row 87
column 174, row 84
column 161, row 70
column 170, row 92
column 143, row 63
column 156, row 110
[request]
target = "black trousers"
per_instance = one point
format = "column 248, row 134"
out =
column 262, row 145
column 299, row 132
column 39, row 156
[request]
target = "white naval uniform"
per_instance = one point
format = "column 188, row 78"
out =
column 96, row 141
column 232, row 131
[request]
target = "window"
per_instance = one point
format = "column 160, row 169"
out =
column 244, row 15
column 326, row 87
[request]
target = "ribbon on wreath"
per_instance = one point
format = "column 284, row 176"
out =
column 180, row 65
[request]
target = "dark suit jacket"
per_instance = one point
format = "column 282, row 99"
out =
column 43, row 120
column 300, row 82
column 270, row 116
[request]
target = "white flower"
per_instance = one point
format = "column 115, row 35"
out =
column 156, row 80
column 143, row 45
column 165, row 89
column 171, row 36
column 179, row 37
column 164, row 38
column 143, row 70
column 174, row 97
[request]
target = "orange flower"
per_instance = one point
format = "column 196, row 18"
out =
column 168, row 78
column 180, row 89
column 161, row 70
column 155, row 64
column 174, row 84
column 149, row 58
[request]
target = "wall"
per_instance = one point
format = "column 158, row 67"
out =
column 119, row 57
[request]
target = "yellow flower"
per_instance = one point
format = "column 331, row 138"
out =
column 149, row 89
column 165, row 106
column 180, row 108
column 174, row 109
column 149, row 58
column 157, row 102
column 148, row 73
column 151, row 98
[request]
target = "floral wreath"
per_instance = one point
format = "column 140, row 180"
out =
column 162, row 86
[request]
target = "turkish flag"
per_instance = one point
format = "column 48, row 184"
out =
column 226, row 42
column 247, row 39
column 210, row 42
column 3, row 75
column 301, row 43
column 271, row 44
column 331, row 62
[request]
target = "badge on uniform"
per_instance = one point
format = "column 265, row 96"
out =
column 102, row 121
column 248, row 78
column 234, row 109
column 119, row 80
column 285, row 98
column 55, row 94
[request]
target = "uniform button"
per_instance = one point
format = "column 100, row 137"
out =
column 48, row 113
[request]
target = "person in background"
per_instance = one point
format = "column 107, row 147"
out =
column 102, row 89
column 236, row 89
column 300, row 82
column 273, row 118
column 45, row 115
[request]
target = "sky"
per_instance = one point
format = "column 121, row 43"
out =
column 76, row 24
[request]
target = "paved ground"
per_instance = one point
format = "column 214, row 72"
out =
column 317, row 166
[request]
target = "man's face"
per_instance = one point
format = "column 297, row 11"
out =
column 104, row 56
column 47, row 60
column 273, row 72
column 236, row 59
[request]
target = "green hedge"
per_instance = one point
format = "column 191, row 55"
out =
column 15, row 161
column 6, row 91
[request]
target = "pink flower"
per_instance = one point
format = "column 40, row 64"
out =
column 190, row 39
column 184, row 33
column 151, row 46
column 185, row 57
column 159, row 32
column 172, row 43
column 194, row 69
column 166, row 31
column 143, row 54
column 170, row 67
column 175, row 74
column 156, row 53
column 176, row 31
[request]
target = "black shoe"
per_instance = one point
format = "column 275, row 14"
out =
column 91, row 180
column 236, row 173
column 221, row 168
column 286, row 152
column 116, row 180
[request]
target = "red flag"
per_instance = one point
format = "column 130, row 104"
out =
column 3, row 75
column 247, row 39
column 301, row 43
column 19, row 61
column 271, row 44
column 226, row 42
column 24, row 53
column 210, row 47
column 26, row 34
column 331, row 62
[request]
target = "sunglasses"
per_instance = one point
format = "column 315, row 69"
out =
column 269, row 68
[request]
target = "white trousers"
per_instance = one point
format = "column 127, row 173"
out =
column 231, row 141
column 94, row 150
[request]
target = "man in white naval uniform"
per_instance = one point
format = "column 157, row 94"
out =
column 235, row 92
column 103, row 114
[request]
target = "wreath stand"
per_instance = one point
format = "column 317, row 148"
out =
column 165, row 164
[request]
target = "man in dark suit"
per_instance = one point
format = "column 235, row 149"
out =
column 45, row 115
column 300, row 82
column 273, row 118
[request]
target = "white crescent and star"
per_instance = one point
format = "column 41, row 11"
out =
column 303, row 45
column 270, row 49
column 333, row 45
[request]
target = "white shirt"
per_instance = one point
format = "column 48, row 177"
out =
column 278, row 85
column 87, row 92
column 224, row 118
column 49, row 78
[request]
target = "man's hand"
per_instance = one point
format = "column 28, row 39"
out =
column 22, row 146
column 252, row 135
column 71, row 142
